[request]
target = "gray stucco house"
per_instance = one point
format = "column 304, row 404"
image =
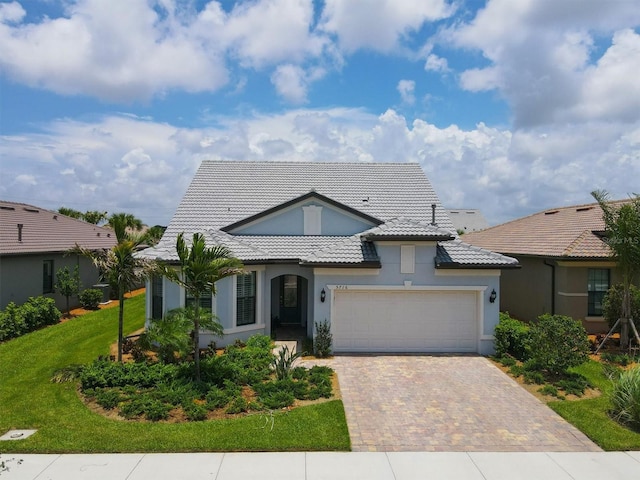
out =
column 365, row 246
column 33, row 246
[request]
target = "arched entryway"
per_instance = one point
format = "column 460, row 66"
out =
column 289, row 305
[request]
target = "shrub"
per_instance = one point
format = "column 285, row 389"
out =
column 550, row 390
column 90, row 298
column 558, row 342
column 237, row 405
column 216, row 398
column 323, row 340
column 511, row 337
column 35, row 313
column 612, row 305
column 625, row 398
column 516, row 370
column 574, row 384
column 195, row 412
column 534, row 377
column 620, row 358
column 108, row 398
column 506, row 361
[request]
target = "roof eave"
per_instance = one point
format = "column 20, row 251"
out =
column 475, row 266
column 409, row 238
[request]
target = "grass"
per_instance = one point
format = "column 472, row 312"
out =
column 591, row 417
column 28, row 400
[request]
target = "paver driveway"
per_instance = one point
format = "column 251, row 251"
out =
column 446, row 403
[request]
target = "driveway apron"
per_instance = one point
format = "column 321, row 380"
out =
column 446, row 403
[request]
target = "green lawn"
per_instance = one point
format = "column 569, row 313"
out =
column 28, row 400
column 590, row 416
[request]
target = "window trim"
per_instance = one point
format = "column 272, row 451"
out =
column 48, row 280
column 592, row 295
column 255, row 321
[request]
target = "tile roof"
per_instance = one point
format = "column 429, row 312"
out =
column 225, row 193
column 408, row 229
column 457, row 254
column 566, row 232
column 44, row 231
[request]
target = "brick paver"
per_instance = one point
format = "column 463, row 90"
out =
column 446, row 403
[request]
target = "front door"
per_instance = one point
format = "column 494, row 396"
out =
column 290, row 299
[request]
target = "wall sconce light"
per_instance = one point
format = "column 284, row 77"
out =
column 492, row 297
column 323, row 295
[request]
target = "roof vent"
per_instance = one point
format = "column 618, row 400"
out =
column 98, row 234
column 433, row 214
column 5, row 207
column 365, row 200
column 20, row 226
column 32, row 210
column 583, row 209
column 551, row 212
column 55, row 217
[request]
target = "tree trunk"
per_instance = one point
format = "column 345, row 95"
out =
column 68, row 309
column 120, row 321
column 626, row 313
column 196, row 337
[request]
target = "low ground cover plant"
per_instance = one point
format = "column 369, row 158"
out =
column 242, row 379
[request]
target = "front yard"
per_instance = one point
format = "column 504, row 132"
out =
column 29, row 400
column 588, row 412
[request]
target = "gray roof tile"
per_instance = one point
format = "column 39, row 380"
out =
column 459, row 254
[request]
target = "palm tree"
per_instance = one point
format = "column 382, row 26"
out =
column 119, row 222
column 122, row 268
column 202, row 267
column 622, row 228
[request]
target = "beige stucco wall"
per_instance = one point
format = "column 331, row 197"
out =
column 527, row 292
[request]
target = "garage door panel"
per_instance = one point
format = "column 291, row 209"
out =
column 397, row 321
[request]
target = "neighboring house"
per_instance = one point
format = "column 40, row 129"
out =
column 566, row 265
column 33, row 242
column 364, row 246
column 467, row 220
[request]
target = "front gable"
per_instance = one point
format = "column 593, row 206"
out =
column 310, row 214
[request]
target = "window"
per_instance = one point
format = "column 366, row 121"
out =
column 598, row 284
column 205, row 301
column 47, row 276
column 156, row 297
column 246, row 299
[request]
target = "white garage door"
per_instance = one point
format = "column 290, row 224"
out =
column 404, row 321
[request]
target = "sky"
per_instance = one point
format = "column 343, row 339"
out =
column 509, row 106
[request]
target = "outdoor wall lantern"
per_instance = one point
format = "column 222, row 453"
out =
column 492, row 297
column 323, row 295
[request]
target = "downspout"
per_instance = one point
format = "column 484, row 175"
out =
column 553, row 286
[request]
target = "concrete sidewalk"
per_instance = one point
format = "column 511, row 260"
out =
column 326, row 465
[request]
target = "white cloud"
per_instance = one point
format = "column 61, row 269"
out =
column 126, row 163
column 291, row 83
column 542, row 57
column 435, row 63
column 406, row 88
column 378, row 24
